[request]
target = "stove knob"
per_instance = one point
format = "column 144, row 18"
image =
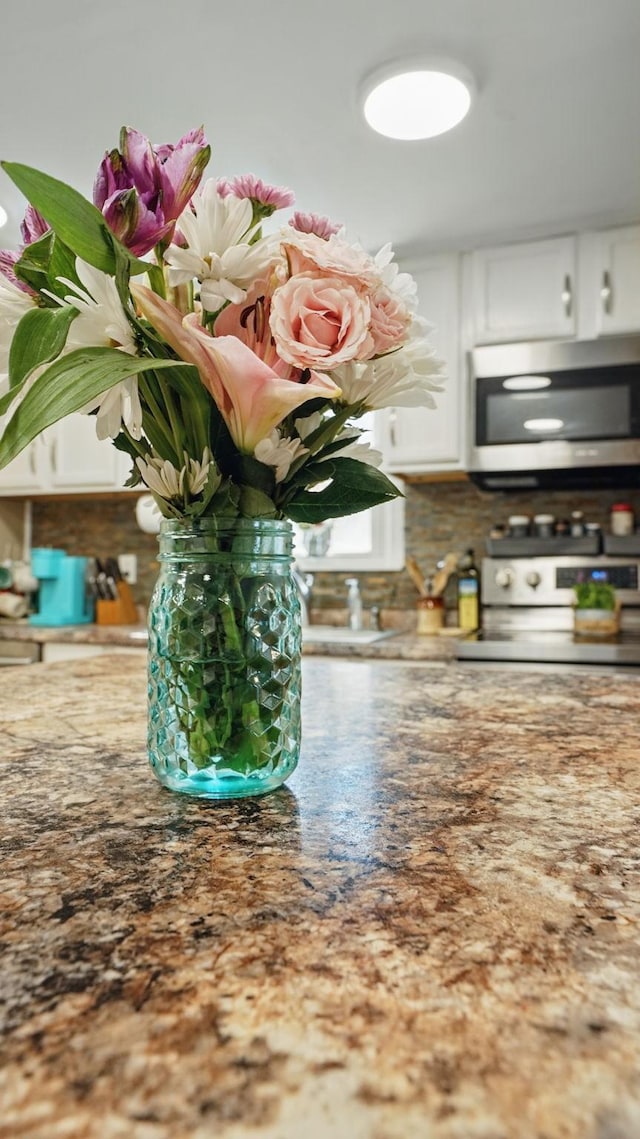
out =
column 504, row 577
column 533, row 579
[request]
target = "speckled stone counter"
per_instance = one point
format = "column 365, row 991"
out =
column 88, row 634
column 400, row 646
column 432, row 933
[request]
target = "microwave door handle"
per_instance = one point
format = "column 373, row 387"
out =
column 606, row 292
column 567, row 295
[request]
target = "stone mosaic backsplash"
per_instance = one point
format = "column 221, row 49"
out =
column 440, row 517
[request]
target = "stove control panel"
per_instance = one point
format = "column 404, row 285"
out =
column 619, row 576
column 550, row 580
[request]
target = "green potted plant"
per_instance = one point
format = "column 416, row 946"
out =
column 596, row 610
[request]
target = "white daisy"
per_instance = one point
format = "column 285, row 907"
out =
column 405, row 378
column 168, row 482
column 102, row 321
column 401, row 284
column 219, row 255
column 279, row 452
column 117, row 406
column 355, row 449
column 101, row 318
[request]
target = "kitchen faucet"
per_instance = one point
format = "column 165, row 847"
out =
column 304, row 582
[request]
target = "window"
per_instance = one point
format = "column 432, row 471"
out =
column 370, row 540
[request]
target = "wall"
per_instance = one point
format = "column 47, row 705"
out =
column 439, row 517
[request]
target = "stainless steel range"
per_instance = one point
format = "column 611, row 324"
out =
column 527, row 612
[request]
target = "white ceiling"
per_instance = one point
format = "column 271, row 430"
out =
column 551, row 145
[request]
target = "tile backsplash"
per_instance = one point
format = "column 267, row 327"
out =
column 440, row 517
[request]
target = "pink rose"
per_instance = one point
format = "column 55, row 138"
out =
column 390, row 321
column 332, row 257
column 320, row 322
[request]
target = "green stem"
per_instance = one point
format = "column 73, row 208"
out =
column 159, row 419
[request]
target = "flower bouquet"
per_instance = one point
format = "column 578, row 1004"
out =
column 231, row 358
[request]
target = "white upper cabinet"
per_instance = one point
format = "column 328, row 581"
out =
column 79, row 460
column 524, row 291
column 609, row 281
column 22, row 475
column 419, row 439
column 67, row 457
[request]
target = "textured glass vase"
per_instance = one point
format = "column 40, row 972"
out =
column 224, row 658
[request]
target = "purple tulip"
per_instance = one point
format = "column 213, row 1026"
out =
column 142, row 190
column 33, row 226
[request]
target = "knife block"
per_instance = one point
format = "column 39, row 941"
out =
column 120, row 611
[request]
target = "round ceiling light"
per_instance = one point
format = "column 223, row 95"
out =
column 3, row 217
column 416, row 102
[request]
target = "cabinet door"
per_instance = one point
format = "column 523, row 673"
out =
column 420, row 439
column 524, row 292
column 23, row 475
column 79, row 460
column 617, row 283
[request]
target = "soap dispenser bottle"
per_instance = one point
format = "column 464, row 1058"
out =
column 354, row 603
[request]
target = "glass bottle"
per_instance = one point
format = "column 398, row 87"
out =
column 224, row 658
column 468, row 593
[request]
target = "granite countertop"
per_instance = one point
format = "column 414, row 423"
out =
column 399, row 646
column 432, row 932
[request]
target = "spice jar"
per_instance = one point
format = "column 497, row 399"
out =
column 519, row 526
column 621, row 519
column 430, row 615
column 577, row 524
column 543, row 525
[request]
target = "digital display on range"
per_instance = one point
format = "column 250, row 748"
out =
column 620, row 577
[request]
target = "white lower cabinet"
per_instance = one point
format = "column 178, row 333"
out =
column 59, row 650
column 421, row 440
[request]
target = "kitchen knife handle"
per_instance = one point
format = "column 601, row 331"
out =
column 567, row 295
column 606, row 292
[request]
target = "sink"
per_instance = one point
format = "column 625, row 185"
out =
column 343, row 635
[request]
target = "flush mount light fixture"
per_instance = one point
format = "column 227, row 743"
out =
column 3, row 217
column 417, row 100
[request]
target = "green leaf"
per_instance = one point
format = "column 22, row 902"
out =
column 39, row 338
column 255, row 504
column 67, row 386
column 75, row 220
column 43, row 262
column 354, row 486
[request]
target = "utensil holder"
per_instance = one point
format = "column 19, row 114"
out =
column 120, row 611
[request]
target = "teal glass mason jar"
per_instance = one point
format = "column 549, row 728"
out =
column 224, row 658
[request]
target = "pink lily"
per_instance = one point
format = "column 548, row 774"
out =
column 142, row 190
column 249, row 394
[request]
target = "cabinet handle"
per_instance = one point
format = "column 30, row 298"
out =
column 32, row 460
column 53, row 454
column 567, row 295
column 606, row 292
column 393, row 419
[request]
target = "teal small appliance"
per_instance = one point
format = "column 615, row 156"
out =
column 63, row 597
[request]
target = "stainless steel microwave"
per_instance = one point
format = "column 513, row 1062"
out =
column 556, row 414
